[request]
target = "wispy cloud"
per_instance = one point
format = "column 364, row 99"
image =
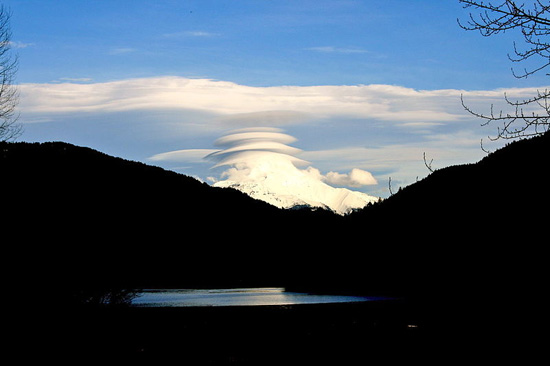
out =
column 17, row 44
column 73, row 80
column 187, row 34
column 185, row 155
column 121, row 50
column 332, row 49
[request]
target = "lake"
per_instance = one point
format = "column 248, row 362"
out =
column 243, row 326
column 237, row 297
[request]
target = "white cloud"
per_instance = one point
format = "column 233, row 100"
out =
column 247, row 150
column 402, row 162
column 242, row 106
column 265, row 118
column 186, row 155
column 250, row 144
column 382, row 129
column 355, row 178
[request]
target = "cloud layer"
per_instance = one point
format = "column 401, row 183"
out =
column 252, row 153
column 276, row 104
column 345, row 130
column 269, row 106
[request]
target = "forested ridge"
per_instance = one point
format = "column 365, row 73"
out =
column 78, row 218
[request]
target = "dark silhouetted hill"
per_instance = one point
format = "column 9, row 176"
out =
column 466, row 246
column 476, row 228
column 76, row 218
column 82, row 215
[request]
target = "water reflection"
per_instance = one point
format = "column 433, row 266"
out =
column 236, row 297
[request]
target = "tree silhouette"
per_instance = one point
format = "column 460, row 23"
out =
column 530, row 116
column 9, row 128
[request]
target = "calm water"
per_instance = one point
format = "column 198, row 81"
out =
column 237, row 297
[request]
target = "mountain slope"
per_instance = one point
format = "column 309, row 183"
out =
column 286, row 192
column 466, row 246
column 508, row 180
column 80, row 215
column 475, row 228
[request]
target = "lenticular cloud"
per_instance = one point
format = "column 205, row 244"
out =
column 261, row 164
column 245, row 147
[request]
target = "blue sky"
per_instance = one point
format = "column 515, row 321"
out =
column 359, row 83
column 259, row 42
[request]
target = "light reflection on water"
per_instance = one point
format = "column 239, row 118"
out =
column 237, row 297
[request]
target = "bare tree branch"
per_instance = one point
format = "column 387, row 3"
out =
column 518, row 123
column 9, row 128
column 428, row 165
column 533, row 21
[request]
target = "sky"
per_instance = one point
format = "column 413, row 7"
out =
column 359, row 85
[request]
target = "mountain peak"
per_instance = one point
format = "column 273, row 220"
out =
column 265, row 168
column 289, row 188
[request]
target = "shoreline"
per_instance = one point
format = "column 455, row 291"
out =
column 240, row 297
column 399, row 330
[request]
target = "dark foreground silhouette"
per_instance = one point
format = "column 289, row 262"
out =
column 465, row 248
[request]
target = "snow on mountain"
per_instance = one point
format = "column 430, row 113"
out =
column 273, row 177
column 340, row 200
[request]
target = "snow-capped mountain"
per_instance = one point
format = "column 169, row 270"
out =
column 265, row 168
column 340, row 200
column 297, row 188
